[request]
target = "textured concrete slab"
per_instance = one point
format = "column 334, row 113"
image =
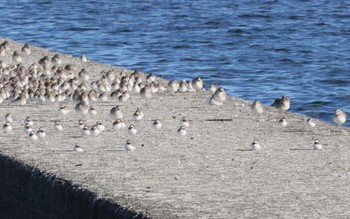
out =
column 209, row 173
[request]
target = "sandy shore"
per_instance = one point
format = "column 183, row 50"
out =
column 209, row 173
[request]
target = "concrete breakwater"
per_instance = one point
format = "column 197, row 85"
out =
column 27, row 192
column 208, row 173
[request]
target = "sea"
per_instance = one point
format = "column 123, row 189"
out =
column 255, row 49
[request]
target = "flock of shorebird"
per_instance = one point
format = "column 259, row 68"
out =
column 49, row 80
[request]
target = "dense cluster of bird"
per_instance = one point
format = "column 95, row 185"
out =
column 49, row 80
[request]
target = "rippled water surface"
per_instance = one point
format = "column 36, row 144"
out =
column 255, row 49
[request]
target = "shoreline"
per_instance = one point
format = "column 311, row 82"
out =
column 210, row 172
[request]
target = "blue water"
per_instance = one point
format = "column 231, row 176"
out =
column 255, row 49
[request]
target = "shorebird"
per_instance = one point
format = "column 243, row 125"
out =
column 283, row 122
column 220, row 95
column 154, row 87
column 7, row 127
column 212, row 88
column 173, row 86
column 8, row 118
column 132, row 130
column 124, row 96
column 311, row 122
column 41, row 132
column 100, row 126
column 33, row 136
column 29, row 121
column 185, row 122
column 82, row 107
column 197, row 83
column 85, row 130
column 103, row 97
column 26, row 49
column 317, row 145
column 339, row 117
column 94, row 130
column 128, row 146
column 257, row 107
column 150, row 78
column 57, row 126
column 182, row 131
column 56, row 59
column 27, row 128
column 116, row 112
column 6, row 45
column 81, row 124
column 84, row 75
column 255, row 145
column 17, row 56
column 146, row 92
column 77, row 148
column 119, row 124
column 93, row 95
column 282, row 104
column 92, row 111
column 83, row 58
column 183, row 87
column 63, row 110
column 138, row 115
column 157, row 124
column 190, row 87
column 3, row 64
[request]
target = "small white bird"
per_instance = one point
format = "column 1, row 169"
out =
column 311, row 122
column 128, row 146
column 100, row 126
column 255, row 145
column 94, row 130
column 85, row 130
column 27, row 128
column 197, row 83
column 182, row 131
column 220, row 95
column 83, row 58
column 92, row 111
column 77, row 148
column 339, row 117
column 185, row 122
column 183, row 86
column 33, row 136
column 282, row 104
column 57, row 126
column 29, row 121
column 257, row 107
column 7, row 127
column 116, row 112
column 119, row 124
column 81, row 124
column 317, row 145
column 212, row 88
column 138, row 115
column 41, row 132
column 26, row 49
column 157, row 124
column 8, row 118
column 173, row 86
column 283, row 122
column 132, row 130
column 63, row 110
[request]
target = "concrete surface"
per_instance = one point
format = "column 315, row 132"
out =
column 209, row 173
